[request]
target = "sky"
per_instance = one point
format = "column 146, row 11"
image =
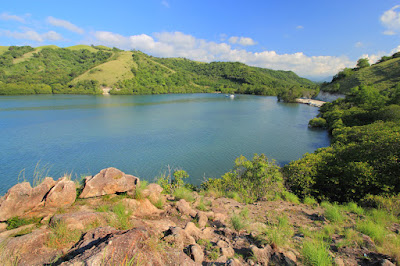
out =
column 315, row 39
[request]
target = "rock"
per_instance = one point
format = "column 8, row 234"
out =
column 196, row 253
column 178, row 237
column 184, row 207
column 28, row 249
column 263, row 255
column 159, row 226
column 63, row 194
column 109, row 181
column 234, row 262
column 8, row 233
column 3, row 227
column 153, row 192
column 130, row 204
column 339, row 261
column 193, row 231
column 202, row 219
column 220, row 217
column 228, row 252
column 280, row 258
column 385, row 262
column 146, row 208
column 108, row 246
column 22, row 197
column 222, row 244
column 78, row 220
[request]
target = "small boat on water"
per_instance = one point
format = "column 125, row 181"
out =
column 230, row 96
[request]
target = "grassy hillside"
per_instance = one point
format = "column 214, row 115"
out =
column 62, row 70
column 112, row 71
column 382, row 76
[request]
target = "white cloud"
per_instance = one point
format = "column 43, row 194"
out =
column 391, row 20
column 245, row 41
column 299, row 27
column 178, row 44
column 34, row 36
column 6, row 16
column 358, row 44
column 165, row 3
column 65, row 24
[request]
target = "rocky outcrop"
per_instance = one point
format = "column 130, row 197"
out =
column 22, row 198
column 109, row 181
column 108, row 246
column 63, row 194
column 78, row 220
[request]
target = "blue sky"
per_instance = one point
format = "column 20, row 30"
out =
column 315, row 39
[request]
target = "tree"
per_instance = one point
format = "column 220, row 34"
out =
column 362, row 63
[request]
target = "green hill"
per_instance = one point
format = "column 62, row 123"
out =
column 383, row 75
column 84, row 69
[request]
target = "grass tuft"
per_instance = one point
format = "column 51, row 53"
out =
column 183, row 193
column 61, row 237
column 316, row 252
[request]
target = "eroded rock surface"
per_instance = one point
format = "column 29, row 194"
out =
column 109, row 181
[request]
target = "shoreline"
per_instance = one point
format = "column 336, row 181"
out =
column 310, row 102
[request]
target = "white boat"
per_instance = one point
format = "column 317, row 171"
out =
column 231, row 96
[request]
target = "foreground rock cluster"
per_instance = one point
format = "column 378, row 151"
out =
column 112, row 222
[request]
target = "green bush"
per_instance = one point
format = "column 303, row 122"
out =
column 250, row 180
column 318, row 122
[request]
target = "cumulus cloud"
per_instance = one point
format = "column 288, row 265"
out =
column 245, row 41
column 178, row 44
column 391, row 20
column 6, row 16
column 34, row 35
column 65, row 24
column 299, row 27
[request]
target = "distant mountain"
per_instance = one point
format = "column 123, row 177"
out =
column 83, row 69
column 383, row 75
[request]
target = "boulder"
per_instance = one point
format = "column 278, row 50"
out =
column 202, row 218
column 63, row 194
column 263, row 255
column 108, row 246
column 178, row 237
column 28, row 249
column 3, row 227
column 193, row 231
column 78, row 220
column 153, row 192
column 141, row 208
column 184, row 207
column 196, row 253
column 22, row 197
column 109, row 181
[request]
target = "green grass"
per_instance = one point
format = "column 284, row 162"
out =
column 212, row 251
column 183, row 193
column 159, row 204
column 138, row 191
column 310, row 201
column 237, row 222
column 121, row 219
column 333, row 213
column 382, row 76
column 290, row 197
column 103, row 208
column 279, row 232
column 61, row 236
column 82, row 46
column 16, row 222
column 316, row 253
column 376, row 231
column 354, row 208
column 112, row 71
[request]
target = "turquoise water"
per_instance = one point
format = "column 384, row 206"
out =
column 141, row 135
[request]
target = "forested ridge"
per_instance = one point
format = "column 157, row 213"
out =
column 84, row 69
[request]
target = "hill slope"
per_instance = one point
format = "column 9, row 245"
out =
column 82, row 69
column 384, row 75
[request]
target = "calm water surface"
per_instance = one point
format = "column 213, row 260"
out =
column 141, row 135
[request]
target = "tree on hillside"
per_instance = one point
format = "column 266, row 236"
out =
column 362, row 63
